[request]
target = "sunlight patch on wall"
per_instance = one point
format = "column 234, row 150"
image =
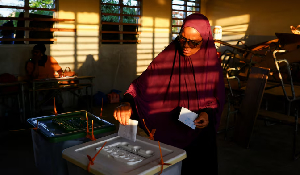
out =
column 162, row 22
column 145, row 56
column 144, row 49
column 87, row 52
column 63, row 50
column 154, row 38
column 67, row 39
column 87, row 18
column 66, row 14
column 233, row 28
column 87, row 27
column 87, row 40
column 73, row 47
column 147, row 21
column 233, row 20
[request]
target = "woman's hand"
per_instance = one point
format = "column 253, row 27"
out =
column 202, row 120
column 122, row 113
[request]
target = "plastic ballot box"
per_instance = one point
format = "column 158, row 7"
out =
column 123, row 156
column 56, row 133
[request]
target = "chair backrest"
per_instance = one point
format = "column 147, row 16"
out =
column 250, row 105
column 289, row 74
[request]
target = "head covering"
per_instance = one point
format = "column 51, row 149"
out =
column 173, row 80
column 40, row 47
column 8, row 24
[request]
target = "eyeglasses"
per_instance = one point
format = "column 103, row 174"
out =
column 192, row 43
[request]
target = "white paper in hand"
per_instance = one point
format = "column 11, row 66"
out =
column 128, row 131
column 187, row 117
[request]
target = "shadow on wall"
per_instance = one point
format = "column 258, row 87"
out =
column 115, row 68
column 88, row 67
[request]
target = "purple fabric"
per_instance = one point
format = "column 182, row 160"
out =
column 173, row 80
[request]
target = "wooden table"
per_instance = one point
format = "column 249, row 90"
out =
column 60, row 86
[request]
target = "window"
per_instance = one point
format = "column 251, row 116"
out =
column 27, row 21
column 120, row 21
column 180, row 10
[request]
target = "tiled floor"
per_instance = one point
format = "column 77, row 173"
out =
column 269, row 153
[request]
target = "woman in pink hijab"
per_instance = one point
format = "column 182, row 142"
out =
column 186, row 74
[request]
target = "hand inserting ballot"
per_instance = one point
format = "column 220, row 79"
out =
column 122, row 113
column 202, row 120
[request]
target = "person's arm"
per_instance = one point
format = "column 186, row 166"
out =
column 129, row 99
column 35, row 73
column 126, row 110
column 32, row 70
column 56, row 66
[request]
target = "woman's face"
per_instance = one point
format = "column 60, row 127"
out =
column 190, row 41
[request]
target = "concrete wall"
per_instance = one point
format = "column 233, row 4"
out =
column 254, row 21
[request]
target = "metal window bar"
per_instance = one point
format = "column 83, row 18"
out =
column 185, row 11
column 121, row 5
column 35, row 19
column 118, row 23
column 27, row 7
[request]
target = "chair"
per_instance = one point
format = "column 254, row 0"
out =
column 241, row 61
column 234, row 95
column 248, row 110
column 290, row 97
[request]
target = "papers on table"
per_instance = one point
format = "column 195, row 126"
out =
column 187, row 117
column 128, row 131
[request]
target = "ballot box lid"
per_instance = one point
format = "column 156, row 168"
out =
column 106, row 163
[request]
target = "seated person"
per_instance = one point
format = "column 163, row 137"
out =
column 7, row 33
column 47, row 65
column 41, row 66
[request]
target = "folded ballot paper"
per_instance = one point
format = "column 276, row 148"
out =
column 128, row 131
column 187, row 117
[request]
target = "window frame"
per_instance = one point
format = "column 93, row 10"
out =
column 121, row 23
column 27, row 19
column 185, row 11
